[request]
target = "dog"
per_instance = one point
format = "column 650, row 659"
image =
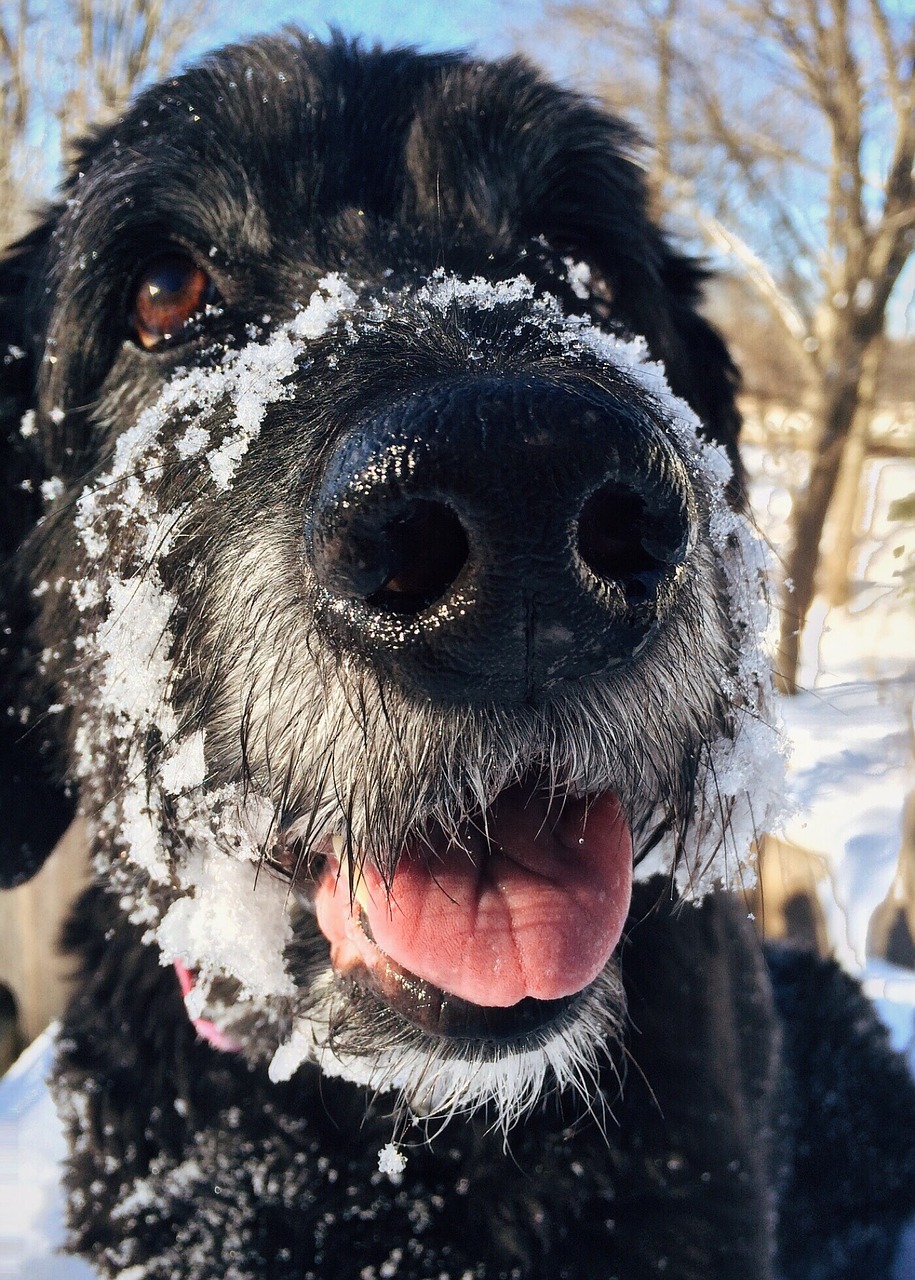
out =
column 379, row 587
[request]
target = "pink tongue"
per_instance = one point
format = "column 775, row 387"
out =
column 538, row 913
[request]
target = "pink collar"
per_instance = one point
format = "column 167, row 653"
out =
column 206, row 1029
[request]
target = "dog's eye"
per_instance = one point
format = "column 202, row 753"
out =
column 172, row 291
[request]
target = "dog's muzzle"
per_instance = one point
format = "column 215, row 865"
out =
column 484, row 539
column 478, row 543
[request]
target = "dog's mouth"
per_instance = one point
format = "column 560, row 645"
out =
column 491, row 935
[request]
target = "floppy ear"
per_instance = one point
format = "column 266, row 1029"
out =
column 34, row 807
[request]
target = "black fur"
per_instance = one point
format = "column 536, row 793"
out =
column 733, row 1135
column 728, row 1135
column 34, row 807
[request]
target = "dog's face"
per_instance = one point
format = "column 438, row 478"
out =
column 392, row 609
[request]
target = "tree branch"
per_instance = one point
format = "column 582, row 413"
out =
column 759, row 275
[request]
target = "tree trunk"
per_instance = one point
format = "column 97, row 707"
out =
column 845, row 509
column 839, row 402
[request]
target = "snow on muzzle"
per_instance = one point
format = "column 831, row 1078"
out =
column 530, row 903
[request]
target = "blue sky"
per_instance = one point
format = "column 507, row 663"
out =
column 483, row 25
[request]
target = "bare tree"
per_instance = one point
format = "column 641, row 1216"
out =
column 788, row 135
column 868, row 242
column 120, row 45
column 16, row 101
column 58, row 77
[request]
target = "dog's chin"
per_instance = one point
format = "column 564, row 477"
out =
column 455, row 1058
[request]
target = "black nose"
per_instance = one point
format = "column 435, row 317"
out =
column 484, row 540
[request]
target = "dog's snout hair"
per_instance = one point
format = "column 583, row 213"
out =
column 344, row 704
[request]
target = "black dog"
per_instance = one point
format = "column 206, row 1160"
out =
column 392, row 614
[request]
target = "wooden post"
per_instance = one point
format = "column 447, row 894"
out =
column 31, row 917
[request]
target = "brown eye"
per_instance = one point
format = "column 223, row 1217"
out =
column 170, row 293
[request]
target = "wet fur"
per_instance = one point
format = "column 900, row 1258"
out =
column 686, row 1147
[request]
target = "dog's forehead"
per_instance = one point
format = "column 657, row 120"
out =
column 285, row 138
column 279, row 138
column 277, row 162
column 274, row 163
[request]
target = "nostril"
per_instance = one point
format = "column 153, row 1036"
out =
column 398, row 557
column 423, row 551
column 624, row 538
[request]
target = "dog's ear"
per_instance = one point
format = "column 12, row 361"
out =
column 34, row 806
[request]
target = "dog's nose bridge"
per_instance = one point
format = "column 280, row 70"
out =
column 499, row 535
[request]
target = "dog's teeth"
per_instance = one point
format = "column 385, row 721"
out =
column 359, row 889
column 351, row 873
column 361, row 894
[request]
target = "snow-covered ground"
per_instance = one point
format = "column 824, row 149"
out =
column 852, row 766
column 852, row 731
column 31, row 1149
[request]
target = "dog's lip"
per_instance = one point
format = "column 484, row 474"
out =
column 440, row 1014
column 532, row 907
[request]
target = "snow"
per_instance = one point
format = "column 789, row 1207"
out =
column 290, row 1055
column 202, row 928
column 851, row 731
column 218, row 926
column 391, row 1162
column 850, row 769
column 851, row 727
column 849, row 772
column 31, row 1149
